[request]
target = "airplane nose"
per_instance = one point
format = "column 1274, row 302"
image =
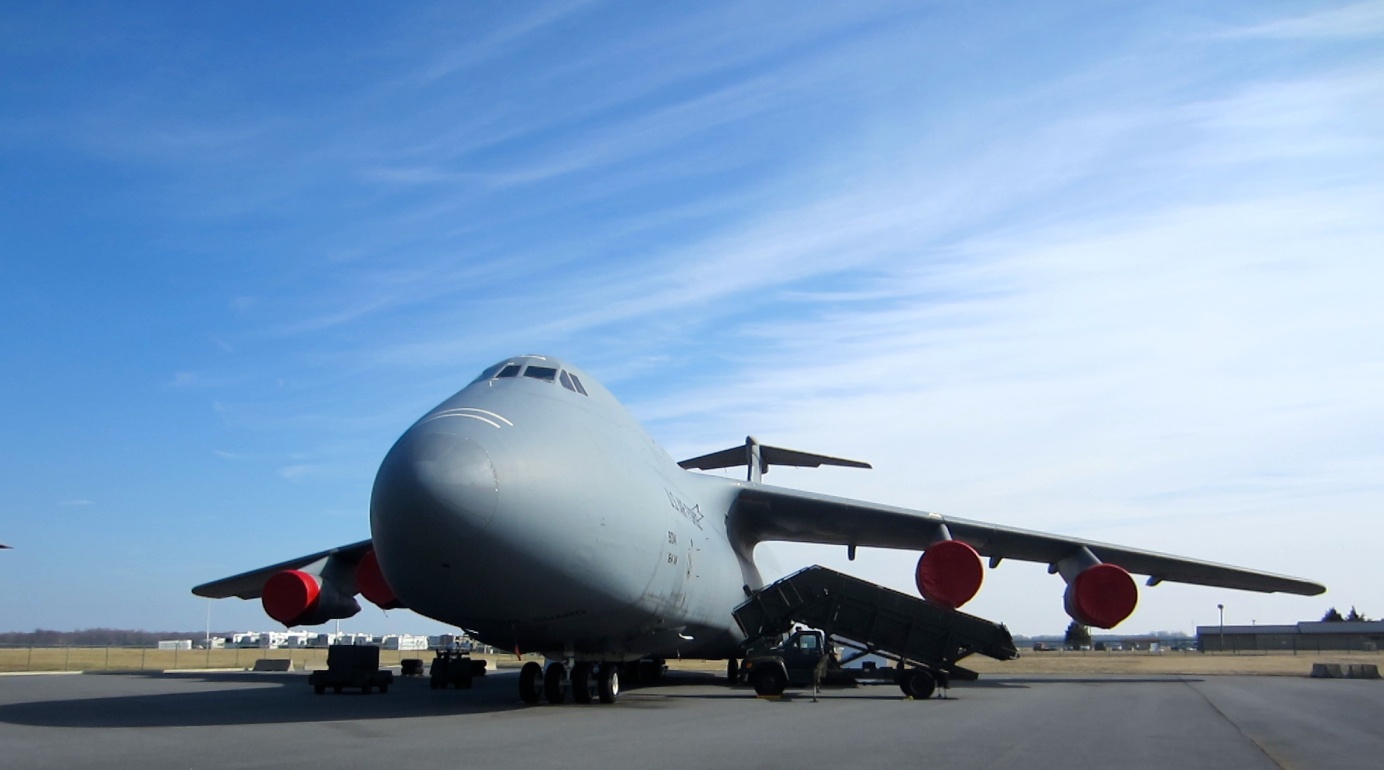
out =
column 437, row 474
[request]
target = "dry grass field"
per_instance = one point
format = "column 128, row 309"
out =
column 1135, row 663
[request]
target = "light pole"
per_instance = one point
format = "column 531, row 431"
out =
column 1221, row 607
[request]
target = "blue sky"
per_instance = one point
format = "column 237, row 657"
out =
column 1104, row 270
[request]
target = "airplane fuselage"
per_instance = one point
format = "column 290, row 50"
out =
column 541, row 517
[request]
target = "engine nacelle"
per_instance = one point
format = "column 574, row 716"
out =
column 372, row 585
column 296, row 598
column 1098, row 594
column 949, row 573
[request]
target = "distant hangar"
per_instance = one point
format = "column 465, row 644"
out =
column 1307, row 636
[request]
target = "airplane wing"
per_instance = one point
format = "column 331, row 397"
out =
column 247, row 585
column 776, row 513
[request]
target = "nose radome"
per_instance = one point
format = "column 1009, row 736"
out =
column 440, row 470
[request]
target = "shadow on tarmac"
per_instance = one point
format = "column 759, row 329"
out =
column 287, row 698
column 245, row 698
column 272, row 699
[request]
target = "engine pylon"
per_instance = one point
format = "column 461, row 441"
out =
column 370, row 580
column 1098, row 594
column 949, row 572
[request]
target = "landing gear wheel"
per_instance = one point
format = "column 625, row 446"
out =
column 608, row 682
column 732, row 671
column 768, row 680
column 555, row 683
column 464, row 681
column 583, row 685
column 530, row 682
column 319, row 688
column 918, row 683
column 384, row 688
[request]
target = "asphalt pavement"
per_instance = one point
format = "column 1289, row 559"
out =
column 245, row 720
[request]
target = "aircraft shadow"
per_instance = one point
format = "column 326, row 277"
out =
column 274, row 699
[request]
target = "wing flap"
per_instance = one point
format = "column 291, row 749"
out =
column 776, row 513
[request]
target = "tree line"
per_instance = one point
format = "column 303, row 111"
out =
column 1334, row 616
column 94, row 637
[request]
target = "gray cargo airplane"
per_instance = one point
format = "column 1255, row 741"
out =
column 533, row 510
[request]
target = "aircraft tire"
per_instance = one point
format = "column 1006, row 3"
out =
column 583, row 687
column 732, row 671
column 919, row 684
column 608, row 682
column 554, row 683
column 530, row 682
column 769, row 680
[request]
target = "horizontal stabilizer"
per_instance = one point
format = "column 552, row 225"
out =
column 759, row 457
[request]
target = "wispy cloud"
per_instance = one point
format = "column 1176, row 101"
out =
column 1356, row 20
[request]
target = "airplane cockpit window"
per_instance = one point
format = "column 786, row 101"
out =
column 488, row 373
column 577, row 383
column 509, row 371
column 545, row 373
column 566, row 381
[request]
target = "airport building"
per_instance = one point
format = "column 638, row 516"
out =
column 1307, row 636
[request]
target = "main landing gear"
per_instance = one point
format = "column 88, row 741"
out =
column 587, row 682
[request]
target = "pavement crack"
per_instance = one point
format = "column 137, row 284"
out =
column 1268, row 754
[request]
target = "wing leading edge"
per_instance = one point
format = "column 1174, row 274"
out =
column 777, row 513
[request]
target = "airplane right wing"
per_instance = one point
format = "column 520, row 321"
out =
column 250, row 585
column 777, row 513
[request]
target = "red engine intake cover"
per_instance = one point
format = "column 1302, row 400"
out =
column 290, row 596
column 1102, row 596
column 370, row 580
column 949, row 573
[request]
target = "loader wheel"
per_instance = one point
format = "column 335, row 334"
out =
column 732, row 671
column 769, row 680
column 919, row 684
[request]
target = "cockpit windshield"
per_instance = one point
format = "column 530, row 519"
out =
column 511, row 369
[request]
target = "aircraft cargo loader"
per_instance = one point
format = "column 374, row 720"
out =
column 926, row 641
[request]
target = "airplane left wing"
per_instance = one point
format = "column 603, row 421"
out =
column 777, row 513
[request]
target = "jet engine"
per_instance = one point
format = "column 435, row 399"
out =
column 949, row 572
column 296, row 598
column 370, row 580
column 1098, row 594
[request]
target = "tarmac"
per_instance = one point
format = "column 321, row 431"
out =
column 252, row 720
